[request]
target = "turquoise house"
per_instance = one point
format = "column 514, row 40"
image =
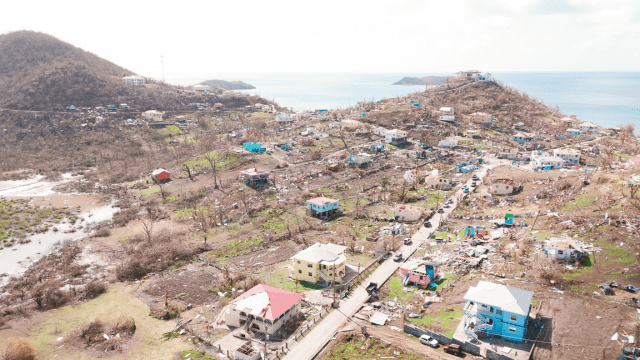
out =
column 254, row 147
column 322, row 207
column 523, row 138
column 498, row 310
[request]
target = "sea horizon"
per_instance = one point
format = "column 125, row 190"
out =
column 605, row 98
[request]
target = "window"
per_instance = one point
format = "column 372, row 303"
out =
column 309, row 266
column 490, row 322
column 559, row 252
column 484, row 306
column 499, row 312
column 514, row 318
column 298, row 261
column 310, row 274
column 491, row 309
column 299, row 271
column 512, row 329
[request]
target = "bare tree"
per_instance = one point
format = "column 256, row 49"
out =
column 147, row 227
column 211, row 157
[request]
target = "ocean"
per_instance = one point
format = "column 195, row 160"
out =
column 605, row 98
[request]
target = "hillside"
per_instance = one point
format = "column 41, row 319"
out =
column 228, row 85
column 427, row 80
column 41, row 72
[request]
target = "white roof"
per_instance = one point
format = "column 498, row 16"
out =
column 446, row 109
column 133, row 77
column 504, row 297
column 254, row 171
column 256, row 303
column 158, row 171
column 398, row 132
column 573, row 130
column 588, row 124
column 326, row 254
column 566, row 151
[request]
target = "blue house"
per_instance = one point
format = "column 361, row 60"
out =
column 322, row 207
column 523, row 138
column 496, row 309
column 256, row 148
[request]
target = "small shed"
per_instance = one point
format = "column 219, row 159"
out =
column 160, row 175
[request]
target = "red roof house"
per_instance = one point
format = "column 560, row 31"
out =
column 264, row 308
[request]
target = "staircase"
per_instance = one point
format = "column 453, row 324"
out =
column 479, row 325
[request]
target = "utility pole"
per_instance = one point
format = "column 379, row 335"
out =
column 334, row 284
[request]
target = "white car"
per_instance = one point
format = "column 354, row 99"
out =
column 428, row 340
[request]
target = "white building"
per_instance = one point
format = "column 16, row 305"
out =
column 588, row 126
column 563, row 249
column 480, row 117
column 379, row 130
column 448, row 118
column 409, row 213
column 571, row 156
column 153, row 115
column 471, row 133
column 541, row 162
column 437, row 182
column 201, row 88
column 503, row 187
column 447, row 110
column 264, row 309
column 134, row 80
column 474, row 75
column 395, row 137
column 410, row 176
column 448, row 143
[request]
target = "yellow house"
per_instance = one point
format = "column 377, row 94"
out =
column 320, row 263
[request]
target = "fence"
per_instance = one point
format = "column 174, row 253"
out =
column 466, row 346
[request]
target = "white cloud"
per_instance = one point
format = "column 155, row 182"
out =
column 204, row 38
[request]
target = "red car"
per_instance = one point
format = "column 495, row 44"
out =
column 453, row 349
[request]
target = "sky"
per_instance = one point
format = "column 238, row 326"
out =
column 200, row 38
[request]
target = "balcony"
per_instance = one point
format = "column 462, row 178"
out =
column 324, row 274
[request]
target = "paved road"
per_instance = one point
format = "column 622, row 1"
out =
column 311, row 344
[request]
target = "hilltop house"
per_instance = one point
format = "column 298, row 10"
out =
column 523, row 137
column 419, row 273
column 153, row 115
column 496, row 309
column 201, row 88
column 160, row 175
column 447, row 111
column 504, row 187
column 588, row 126
column 263, row 309
column 322, row 207
column 471, row 133
column 547, row 162
column 134, row 80
column 570, row 156
column 563, row 249
column 448, row 118
column 395, row 137
column 410, row 176
column 474, row 75
column 409, row 213
column 379, row 130
column 574, row 132
column 320, row 262
column 361, row 159
column 520, row 126
column 254, row 177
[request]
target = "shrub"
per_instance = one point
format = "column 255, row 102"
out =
column 103, row 232
column 95, row 289
column 19, row 349
column 94, row 332
column 125, row 325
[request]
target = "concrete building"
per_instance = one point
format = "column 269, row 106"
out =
column 574, row 132
column 320, row 263
column 479, row 117
column 588, row 127
column 379, row 130
column 419, row 273
column 201, row 88
column 395, row 137
column 547, row 162
column 434, row 182
column 504, row 187
column 134, row 80
column 322, row 207
column 447, row 118
column 447, row 110
column 474, row 75
column 563, row 249
column 264, row 309
column 498, row 310
column 153, row 115
column 570, row 156
column 255, row 177
column 361, row 159
column 408, row 213
column 471, row 133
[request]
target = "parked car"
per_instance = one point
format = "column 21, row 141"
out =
column 606, row 289
column 428, row 340
column 474, row 177
column 407, row 241
column 440, row 211
column 473, row 184
column 454, row 349
column 446, row 206
column 614, row 284
column 372, row 287
column 632, row 288
column 427, row 224
column 397, row 257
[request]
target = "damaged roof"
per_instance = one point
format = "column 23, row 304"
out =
column 503, row 297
